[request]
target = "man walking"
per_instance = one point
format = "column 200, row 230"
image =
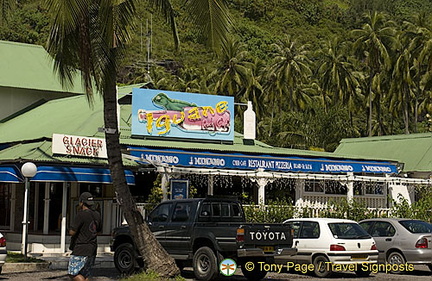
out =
column 84, row 230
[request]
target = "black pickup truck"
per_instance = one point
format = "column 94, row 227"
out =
column 203, row 232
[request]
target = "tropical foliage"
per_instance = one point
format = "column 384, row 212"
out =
column 316, row 71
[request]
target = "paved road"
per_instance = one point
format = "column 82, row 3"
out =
column 421, row 273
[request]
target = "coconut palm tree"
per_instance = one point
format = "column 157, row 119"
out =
column 372, row 45
column 235, row 74
column 6, row 6
column 90, row 36
column 286, row 76
column 336, row 73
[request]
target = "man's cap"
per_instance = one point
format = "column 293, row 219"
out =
column 86, row 198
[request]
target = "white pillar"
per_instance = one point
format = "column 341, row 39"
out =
column 46, row 208
column 262, row 182
column 210, row 187
column 164, row 185
column 350, row 187
column 24, row 242
column 299, row 191
column 63, row 220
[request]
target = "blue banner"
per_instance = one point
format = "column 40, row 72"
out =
column 158, row 113
column 266, row 162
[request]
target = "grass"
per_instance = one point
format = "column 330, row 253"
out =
column 17, row 258
column 149, row 276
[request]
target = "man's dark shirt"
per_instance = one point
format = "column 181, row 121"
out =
column 87, row 224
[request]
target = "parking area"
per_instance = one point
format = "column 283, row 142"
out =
column 420, row 273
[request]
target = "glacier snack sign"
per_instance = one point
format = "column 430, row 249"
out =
column 160, row 113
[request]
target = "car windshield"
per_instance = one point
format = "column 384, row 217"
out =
column 348, row 231
column 415, row 226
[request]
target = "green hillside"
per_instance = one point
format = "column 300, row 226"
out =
column 310, row 67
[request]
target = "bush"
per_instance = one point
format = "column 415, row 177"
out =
column 275, row 212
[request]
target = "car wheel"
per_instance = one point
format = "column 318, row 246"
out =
column 252, row 273
column 125, row 258
column 362, row 273
column 321, row 266
column 395, row 258
column 204, row 264
column 180, row 264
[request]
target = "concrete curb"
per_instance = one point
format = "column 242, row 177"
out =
column 54, row 263
column 25, row 267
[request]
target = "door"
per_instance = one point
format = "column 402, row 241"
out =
column 178, row 231
column 383, row 233
column 158, row 220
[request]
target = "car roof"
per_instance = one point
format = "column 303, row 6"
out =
column 389, row 219
column 327, row 220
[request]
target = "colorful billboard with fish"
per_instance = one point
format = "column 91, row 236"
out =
column 159, row 113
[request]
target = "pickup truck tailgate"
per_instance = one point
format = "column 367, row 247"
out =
column 264, row 240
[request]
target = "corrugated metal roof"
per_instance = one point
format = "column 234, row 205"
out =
column 414, row 150
column 41, row 152
column 30, row 67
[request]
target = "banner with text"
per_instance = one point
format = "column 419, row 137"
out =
column 266, row 162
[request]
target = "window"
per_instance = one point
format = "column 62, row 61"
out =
column 310, row 230
column 236, row 212
column 325, row 186
column 216, row 209
column 205, row 210
column 383, row 229
column 5, row 203
column 181, row 212
column 348, row 231
column 415, row 226
column 225, row 210
column 295, row 226
column 369, row 188
column 314, row 186
column 161, row 213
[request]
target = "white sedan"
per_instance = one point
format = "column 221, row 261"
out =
column 3, row 252
column 331, row 245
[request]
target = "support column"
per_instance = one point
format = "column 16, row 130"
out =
column 210, row 187
column 46, row 208
column 164, row 186
column 350, row 187
column 262, row 182
column 63, row 219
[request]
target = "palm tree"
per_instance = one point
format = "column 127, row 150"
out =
column 235, row 74
column 372, row 44
column 91, row 35
column 286, row 76
column 402, row 85
column 336, row 73
column 6, row 6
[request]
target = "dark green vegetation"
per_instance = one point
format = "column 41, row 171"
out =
column 277, row 211
column 316, row 70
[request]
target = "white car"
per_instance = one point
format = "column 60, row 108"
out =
column 328, row 245
column 3, row 252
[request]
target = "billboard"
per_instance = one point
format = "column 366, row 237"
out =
column 171, row 114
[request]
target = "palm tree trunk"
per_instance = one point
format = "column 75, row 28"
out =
column 406, row 114
column 154, row 256
column 370, row 106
